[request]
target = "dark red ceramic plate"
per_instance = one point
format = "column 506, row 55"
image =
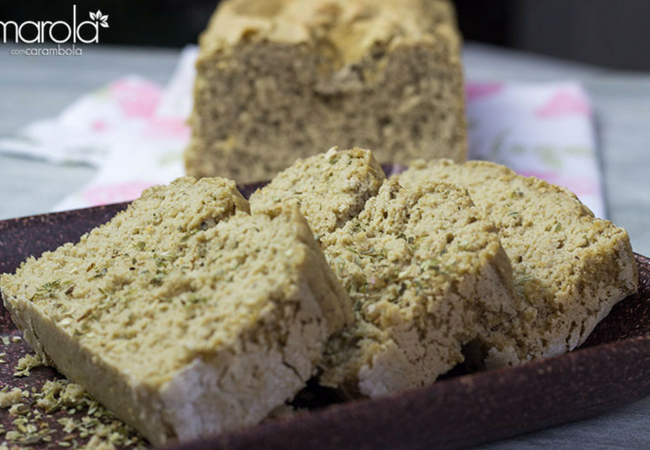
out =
column 610, row 370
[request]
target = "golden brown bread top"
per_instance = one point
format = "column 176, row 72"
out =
column 347, row 29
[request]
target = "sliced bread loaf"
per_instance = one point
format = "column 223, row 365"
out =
column 184, row 315
column 424, row 268
column 570, row 268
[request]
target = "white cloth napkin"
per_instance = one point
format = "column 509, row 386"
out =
column 134, row 131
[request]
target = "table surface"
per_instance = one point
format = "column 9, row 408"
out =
column 32, row 88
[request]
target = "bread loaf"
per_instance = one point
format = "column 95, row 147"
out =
column 282, row 79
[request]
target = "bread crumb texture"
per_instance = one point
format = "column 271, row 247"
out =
column 330, row 188
column 26, row 363
column 185, row 315
column 424, row 268
column 426, row 274
column 279, row 79
column 11, row 397
column 569, row 267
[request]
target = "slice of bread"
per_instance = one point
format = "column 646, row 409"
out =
column 278, row 80
column 424, row 268
column 185, row 315
column 330, row 188
column 570, row 268
column 427, row 275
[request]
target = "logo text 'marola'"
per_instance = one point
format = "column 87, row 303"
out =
column 59, row 32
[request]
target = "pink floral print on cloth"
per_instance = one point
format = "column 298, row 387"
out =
column 166, row 127
column 565, row 102
column 136, row 97
column 476, row 90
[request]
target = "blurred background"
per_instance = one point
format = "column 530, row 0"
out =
column 604, row 32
